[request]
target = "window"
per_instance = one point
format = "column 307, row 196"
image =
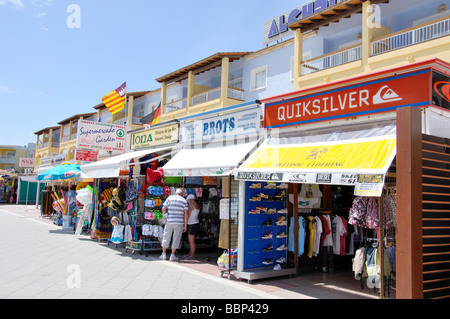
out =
column 258, row 78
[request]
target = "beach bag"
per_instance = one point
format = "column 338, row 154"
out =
column 117, row 234
column 131, row 194
column 224, row 260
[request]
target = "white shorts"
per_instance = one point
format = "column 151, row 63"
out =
column 172, row 229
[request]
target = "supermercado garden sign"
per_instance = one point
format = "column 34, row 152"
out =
column 101, row 136
column 154, row 137
column 377, row 96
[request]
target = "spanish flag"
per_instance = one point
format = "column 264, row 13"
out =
column 115, row 101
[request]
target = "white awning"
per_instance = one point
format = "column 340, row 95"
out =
column 110, row 167
column 209, row 161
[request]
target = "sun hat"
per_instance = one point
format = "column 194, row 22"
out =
column 190, row 196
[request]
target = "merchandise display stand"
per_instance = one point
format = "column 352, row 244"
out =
column 264, row 248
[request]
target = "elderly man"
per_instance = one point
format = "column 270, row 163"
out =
column 175, row 212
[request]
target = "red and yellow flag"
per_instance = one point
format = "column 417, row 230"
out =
column 115, row 101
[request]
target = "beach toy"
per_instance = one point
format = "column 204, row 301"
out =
column 115, row 221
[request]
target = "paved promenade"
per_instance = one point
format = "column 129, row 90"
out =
column 40, row 260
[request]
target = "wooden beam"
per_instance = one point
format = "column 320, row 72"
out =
column 409, row 204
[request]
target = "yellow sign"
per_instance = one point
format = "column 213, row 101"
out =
column 154, row 137
column 344, row 156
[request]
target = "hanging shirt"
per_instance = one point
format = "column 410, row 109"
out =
column 328, row 241
column 311, row 191
column 344, row 236
column 311, row 236
column 338, row 231
column 317, row 236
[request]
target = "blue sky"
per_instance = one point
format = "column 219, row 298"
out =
column 49, row 72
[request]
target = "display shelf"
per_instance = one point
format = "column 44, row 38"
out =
column 143, row 246
column 265, row 226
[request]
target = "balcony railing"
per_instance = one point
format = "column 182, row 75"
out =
column 392, row 42
column 175, row 105
column 214, row 94
column 332, row 60
column 411, row 37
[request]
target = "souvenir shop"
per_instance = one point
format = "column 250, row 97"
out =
column 321, row 193
column 123, row 204
column 212, row 145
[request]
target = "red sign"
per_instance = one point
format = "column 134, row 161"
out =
column 86, row 156
column 382, row 95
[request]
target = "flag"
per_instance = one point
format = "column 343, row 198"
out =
column 153, row 118
column 115, row 101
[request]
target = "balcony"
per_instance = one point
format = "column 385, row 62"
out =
column 380, row 46
column 7, row 159
column 205, row 97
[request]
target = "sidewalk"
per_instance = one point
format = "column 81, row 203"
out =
column 339, row 284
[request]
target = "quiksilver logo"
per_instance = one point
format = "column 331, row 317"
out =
column 443, row 89
column 386, row 95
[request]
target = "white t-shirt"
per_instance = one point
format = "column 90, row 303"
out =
column 338, row 231
column 311, row 191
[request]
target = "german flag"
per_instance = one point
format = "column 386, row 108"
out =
column 153, row 118
column 115, row 101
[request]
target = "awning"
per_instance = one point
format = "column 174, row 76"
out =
column 209, row 161
column 110, row 167
column 329, row 162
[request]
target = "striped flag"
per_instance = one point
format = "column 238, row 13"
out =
column 115, row 101
column 153, row 118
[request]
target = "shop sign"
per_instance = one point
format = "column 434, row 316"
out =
column 26, row 162
column 155, row 137
column 369, row 185
column 58, row 159
column 321, row 178
column 382, row 95
column 260, row 176
column 86, row 156
column 96, row 135
column 44, row 162
column 277, row 27
column 244, row 123
column 441, row 90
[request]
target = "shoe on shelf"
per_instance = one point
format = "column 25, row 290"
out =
column 255, row 185
column 282, row 211
column 268, row 261
column 271, row 211
column 269, row 235
column 268, row 222
column 281, row 260
column 282, row 186
column 260, row 208
column 270, row 186
column 268, row 248
column 282, row 247
column 281, row 235
column 281, row 221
